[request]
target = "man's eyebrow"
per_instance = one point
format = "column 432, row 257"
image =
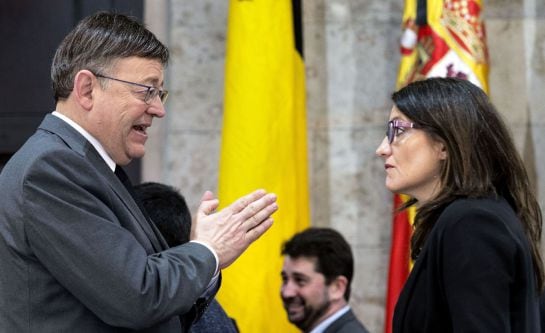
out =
column 301, row 275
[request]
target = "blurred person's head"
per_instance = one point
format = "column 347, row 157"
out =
column 168, row 210
column 316, row 276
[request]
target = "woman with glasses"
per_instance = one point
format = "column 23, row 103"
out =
column 476, row 239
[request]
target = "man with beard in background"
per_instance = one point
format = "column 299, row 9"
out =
column 316, row 276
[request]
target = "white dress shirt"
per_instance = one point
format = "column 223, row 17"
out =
column 325, row 324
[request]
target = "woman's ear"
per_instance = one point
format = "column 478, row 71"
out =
column 442, row 150
column 84, row 83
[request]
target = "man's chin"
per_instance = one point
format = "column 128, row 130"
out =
column 301, row 323
column 298, row 323
column 136, row 153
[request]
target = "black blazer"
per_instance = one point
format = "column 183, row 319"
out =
column 474, row 274
column 78, row 255
column 347, row 323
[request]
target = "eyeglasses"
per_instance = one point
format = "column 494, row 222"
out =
column 393, row 128
column 150, row 93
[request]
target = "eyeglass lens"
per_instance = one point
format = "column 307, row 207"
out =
column 153, row 92
column 390, row 132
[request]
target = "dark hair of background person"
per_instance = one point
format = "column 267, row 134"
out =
column 333, row 254
column 162, row 203
column 95, row 44
column 482, row 158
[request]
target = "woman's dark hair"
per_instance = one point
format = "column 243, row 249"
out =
column 482, row 158
column 96, row 43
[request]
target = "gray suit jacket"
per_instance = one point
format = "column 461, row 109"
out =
column 77, row 254
column 347, row 323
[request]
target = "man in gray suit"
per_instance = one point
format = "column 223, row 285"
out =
column 77, row 252
column 169, row 212
column 316, row 276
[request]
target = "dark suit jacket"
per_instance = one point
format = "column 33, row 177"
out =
column 77, row 253
column 474, row 274
column 347, row 323
column 214, row 320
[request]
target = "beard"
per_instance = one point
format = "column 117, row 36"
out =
column 310, row 315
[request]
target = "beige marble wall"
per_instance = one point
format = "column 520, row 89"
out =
column 516, row 38
column 351, row 56
column 185, row 146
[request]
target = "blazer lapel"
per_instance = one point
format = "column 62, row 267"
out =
column 121, row 191
column 80, row 145
column 122, row 176
column 400, row 309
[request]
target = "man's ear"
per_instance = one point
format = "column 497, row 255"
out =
column 337, row 287
column 84, row 83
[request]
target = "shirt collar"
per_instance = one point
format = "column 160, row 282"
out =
column 325, row 324
column 100, row 149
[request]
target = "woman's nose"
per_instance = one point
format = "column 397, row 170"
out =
column 384, row 148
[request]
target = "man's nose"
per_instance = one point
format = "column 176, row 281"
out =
column 157, row 108
column 288, row 290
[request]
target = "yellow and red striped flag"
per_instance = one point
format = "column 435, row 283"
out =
column 441, row 38
column 264, row 146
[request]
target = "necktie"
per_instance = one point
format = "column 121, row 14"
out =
column 120, row 173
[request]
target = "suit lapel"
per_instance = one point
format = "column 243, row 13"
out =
column 348, row 316
column 122, row 176
column 129, row 202
column 80, row 145
column 402, row 304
